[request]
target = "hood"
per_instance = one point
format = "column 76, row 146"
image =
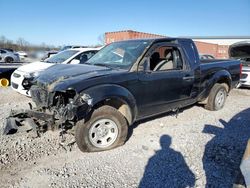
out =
column 34, row 67
column 63, row 76
column 241, row 51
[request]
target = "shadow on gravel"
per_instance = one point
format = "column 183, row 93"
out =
column 167, row 168
column 223, row 153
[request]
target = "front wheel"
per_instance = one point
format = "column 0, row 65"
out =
column 217, row 97
column 9, row 60
column 105, row 129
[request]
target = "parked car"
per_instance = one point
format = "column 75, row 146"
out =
column 23, row 55
column 8, row 49
column 8, row 56
column 241, row 51
column 22, row 77
column 206, row 56
column 125, row 82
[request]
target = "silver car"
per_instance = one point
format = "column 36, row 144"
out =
column 8, row 56
column 245, row 76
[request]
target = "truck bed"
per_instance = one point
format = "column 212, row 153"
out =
column 210, row 67
column 212, row 60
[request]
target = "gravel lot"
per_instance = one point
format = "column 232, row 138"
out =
column 196, row 149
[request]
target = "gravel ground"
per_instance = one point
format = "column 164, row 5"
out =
column 199, row 148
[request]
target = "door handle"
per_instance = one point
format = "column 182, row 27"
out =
column 188, row 77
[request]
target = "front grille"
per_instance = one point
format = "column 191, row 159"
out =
column 27, row 83
column 243, row 76
column 16, row 75
column 14, row 85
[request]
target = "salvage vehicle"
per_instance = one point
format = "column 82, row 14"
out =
column 125, row 82
column 22, row 77
column 9, row 56
column 241, row 51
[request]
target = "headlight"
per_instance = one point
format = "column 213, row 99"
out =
column 86, row 98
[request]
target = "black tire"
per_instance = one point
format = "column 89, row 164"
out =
column 83, row 129
column 216, row 91
column 9, row 60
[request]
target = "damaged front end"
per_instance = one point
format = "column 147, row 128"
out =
column 54, row 110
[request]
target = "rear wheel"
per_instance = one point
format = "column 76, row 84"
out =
column 9, row 60
column 217, row 97
column 105, row 129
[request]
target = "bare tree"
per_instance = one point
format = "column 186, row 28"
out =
column 22, row 45
column 2, row 39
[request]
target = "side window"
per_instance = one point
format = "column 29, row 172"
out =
column 166, row 58
column 2, row 51
column 90, row 53
column 83, row 57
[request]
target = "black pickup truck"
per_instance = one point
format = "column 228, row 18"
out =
column 124, row 82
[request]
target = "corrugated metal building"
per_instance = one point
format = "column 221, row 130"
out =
column 216, row 46
column 128, row 34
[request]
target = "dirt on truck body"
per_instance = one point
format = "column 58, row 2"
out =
column 125, row 82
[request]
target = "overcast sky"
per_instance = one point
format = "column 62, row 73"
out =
column 61, row 22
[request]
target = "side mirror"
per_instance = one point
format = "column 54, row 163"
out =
column 75, row 61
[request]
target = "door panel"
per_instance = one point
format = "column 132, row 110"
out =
column 165, row 88
column 161, row 91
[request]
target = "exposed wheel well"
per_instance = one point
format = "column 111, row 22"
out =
column 225, row 82
column 120, row 105
column 9, row 57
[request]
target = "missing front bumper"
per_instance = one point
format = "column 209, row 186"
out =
column 27, row 120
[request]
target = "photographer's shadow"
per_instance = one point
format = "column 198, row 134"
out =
column 167, row 168
column 223, row 153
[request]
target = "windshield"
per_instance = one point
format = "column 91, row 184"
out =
column 119, row 54
column 61, row 57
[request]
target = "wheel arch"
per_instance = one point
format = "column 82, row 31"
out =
column 220, row 77
column 115, row 96
column 226, row 80
column 6, row 57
